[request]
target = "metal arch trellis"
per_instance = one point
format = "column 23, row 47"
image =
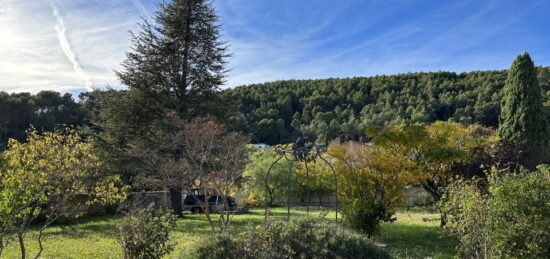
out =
column 305, row 152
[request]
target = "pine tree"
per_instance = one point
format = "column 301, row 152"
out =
column 180, row 60
column 544, row 77
column 523, row 120
column 176, row 66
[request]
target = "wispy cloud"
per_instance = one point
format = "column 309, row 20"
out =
column 64, row 43
column 141, row 8
column 272, row 40
column 396, row 38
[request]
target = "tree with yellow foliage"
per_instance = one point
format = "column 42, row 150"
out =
column 438, row 151
column 371, row 183
column 53, row 175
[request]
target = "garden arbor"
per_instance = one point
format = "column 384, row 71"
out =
column 304, row 152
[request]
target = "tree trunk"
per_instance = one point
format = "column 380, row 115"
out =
column 443, row 221
column 431, row 188
column 21, row 244
column 40, row 247
column 176, row 201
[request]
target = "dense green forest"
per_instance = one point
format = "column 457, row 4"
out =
column 45, row 111
column 325, row 109
column 343, row 108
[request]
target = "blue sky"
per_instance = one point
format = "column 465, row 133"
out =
column 74, row 45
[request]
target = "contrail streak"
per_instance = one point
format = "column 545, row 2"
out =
column 140, row 7
column 64, row 43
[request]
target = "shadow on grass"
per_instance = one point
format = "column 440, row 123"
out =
column 99, row 226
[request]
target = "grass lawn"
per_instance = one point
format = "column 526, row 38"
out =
column 408, row 237
column 416, row 235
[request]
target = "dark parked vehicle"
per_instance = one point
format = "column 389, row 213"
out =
column 195, row 199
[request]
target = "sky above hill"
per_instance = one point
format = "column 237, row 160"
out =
column 75, row 45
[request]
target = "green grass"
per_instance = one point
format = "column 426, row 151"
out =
column 416, row 235
column 408, row 237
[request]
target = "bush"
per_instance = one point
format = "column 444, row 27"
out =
column 144, row 233
column 468, row 218
column 370, row 184
column 510, row 219
column 520, row 225
column 307, row 238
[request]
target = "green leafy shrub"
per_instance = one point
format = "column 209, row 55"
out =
column 468, row 218
column 221, row 246
column 520, row 225
column 510, row 218
column 307, row 238
column 145, row 232
column 255, row 173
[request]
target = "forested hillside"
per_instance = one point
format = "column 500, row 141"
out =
column 343, row 108
column 45, row 111
column 325, row 109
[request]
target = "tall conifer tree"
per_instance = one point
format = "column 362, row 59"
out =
column 523, row 120
column 176, row 66
column 178, row 60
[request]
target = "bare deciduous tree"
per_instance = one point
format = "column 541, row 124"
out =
column 198, row 154
column 217, row 159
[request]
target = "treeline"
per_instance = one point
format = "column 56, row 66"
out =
column 343, row 108
column 44, row 111
column 324, row 109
